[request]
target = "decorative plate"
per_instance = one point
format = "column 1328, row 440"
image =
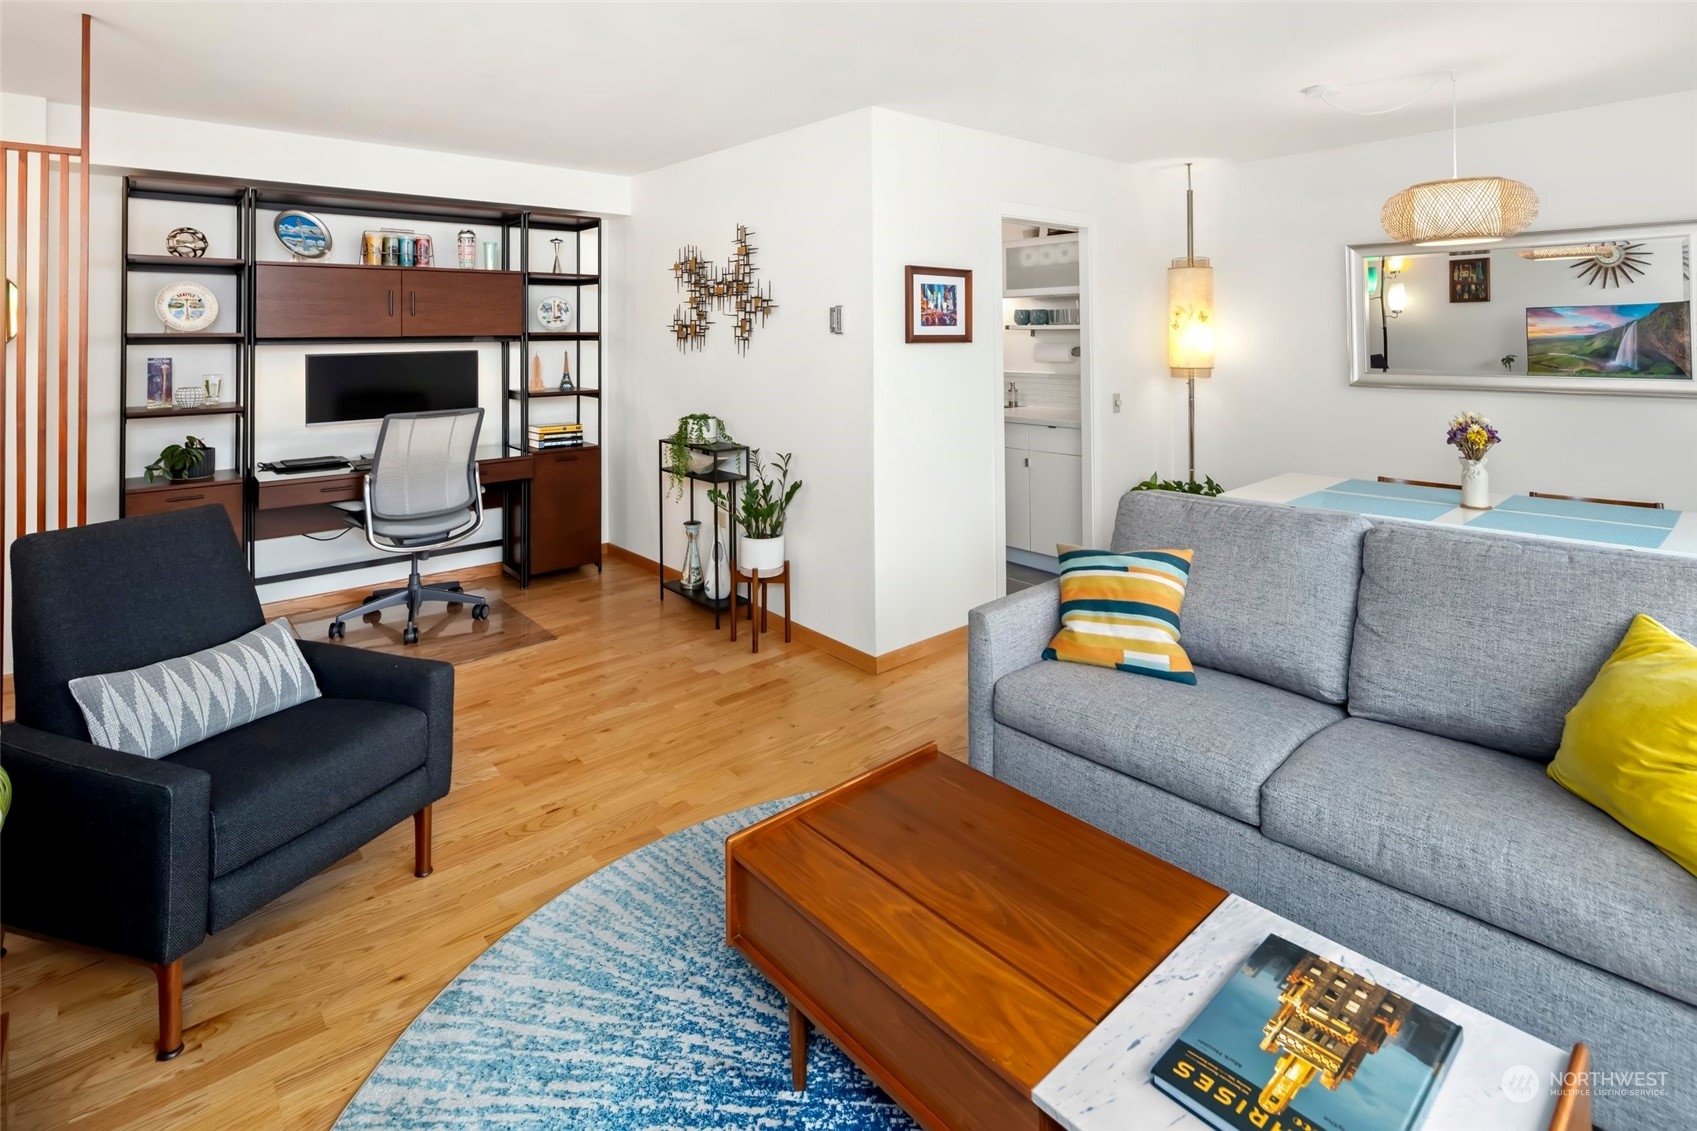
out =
column 187, row 307
column 554, row 313
column 188, row 243
column 303, row 234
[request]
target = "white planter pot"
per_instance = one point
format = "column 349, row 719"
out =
column 1475, row 485
column 763, row 554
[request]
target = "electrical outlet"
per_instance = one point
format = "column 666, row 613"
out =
column 1116, row 402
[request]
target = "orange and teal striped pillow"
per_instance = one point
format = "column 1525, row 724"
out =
column 1121, row 611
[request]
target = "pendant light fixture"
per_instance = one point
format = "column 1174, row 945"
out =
column 1461, row 210
column 1190, row 314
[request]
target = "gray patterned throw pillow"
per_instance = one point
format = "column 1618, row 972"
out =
column 159, row 709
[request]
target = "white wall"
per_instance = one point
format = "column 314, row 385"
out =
column 939, row 195
column 806, row 196
column 1280, row 399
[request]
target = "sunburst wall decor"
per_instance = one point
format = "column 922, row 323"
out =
column 729, row 290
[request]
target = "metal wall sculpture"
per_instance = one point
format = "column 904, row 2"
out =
column 730, row 290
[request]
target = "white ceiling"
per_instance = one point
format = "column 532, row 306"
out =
column 633, row 86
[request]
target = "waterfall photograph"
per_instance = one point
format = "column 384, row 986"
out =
column 1651, row 339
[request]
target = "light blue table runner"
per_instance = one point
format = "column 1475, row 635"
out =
column 1642, row 527
column 1384, row 500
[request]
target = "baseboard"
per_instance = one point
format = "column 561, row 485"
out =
column 818, row 641
column 351, row 597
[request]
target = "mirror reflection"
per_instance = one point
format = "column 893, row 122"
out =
column 1598, row 309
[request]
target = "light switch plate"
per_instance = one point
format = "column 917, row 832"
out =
column 836, row 320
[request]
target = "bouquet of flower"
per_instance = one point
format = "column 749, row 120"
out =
column 1472, row 435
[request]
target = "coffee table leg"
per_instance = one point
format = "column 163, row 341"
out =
column 798, row 1048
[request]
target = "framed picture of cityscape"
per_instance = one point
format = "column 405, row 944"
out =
column 939, row 304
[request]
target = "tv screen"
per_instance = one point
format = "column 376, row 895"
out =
column 369, row 386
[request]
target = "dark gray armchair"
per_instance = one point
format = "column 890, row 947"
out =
column 146, row 857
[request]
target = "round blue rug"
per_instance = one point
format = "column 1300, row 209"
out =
column 617, row 1006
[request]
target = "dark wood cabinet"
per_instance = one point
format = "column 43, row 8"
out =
column 441, row 303
column 223, row 488
column 312, row 300
column 565, row 510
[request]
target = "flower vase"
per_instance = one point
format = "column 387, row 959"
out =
column 690, row 576
column 1475, row 485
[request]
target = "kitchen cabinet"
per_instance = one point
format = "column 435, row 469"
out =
column 1044, row 487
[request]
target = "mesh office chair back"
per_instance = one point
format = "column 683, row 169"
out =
column 426, row 465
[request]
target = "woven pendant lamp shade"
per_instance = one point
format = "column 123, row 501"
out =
column 1460, row 210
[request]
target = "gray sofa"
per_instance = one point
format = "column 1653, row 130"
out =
column 1363, row 752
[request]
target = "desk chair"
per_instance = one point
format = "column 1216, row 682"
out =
column 422, row 494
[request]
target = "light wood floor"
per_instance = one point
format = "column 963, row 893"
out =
column 634, row 721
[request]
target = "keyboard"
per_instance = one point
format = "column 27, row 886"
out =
column 310, row 463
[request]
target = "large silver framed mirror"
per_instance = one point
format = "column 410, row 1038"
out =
column 1597, row 310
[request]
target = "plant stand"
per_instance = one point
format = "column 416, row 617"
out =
column 724, row 474
column 760, row 594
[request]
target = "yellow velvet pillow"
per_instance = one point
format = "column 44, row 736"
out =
column 1630, row 744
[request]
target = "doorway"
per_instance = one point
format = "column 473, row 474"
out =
column 1043, row 369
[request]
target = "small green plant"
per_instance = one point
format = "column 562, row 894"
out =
column 696, row 428
column 1508, row 360
column 177, row 460
column 1186, row 486
column 5, row 796
column 765, row 499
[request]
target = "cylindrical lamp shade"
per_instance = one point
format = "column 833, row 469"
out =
column 1396, row 299
column 1190, row 318
column 1463, row 210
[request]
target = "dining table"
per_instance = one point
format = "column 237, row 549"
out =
column 1600, row 523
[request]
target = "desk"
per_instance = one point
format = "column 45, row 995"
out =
column 1337, row 493
column 286, row 505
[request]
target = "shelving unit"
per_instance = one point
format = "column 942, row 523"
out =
column 267, row 301
column 720, row 475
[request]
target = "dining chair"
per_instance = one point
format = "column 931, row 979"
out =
column 1609, row 502
column 1421, row 483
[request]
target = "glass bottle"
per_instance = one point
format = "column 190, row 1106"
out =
column 691, row 573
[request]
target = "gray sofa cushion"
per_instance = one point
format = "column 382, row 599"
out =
column 1213, row 743
column 1492, row 639
column 1272, row 590
column 1489, row 835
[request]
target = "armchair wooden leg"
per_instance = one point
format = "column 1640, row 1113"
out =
column 170, row 979
column 421, row 843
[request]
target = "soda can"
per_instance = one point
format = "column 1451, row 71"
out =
column 466, row 246
column 371, row 249
column 406, row 251
column 424, row 254
column 391, row 251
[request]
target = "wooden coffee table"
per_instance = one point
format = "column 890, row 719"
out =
column 954, row 936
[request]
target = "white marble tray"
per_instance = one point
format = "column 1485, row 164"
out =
column 1103, row 1084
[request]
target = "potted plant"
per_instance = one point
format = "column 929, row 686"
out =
column 764, row 502
column 191, row 459
column 1188, row 487
column 696, row 428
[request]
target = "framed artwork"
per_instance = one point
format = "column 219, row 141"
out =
column 939, row 304
column 1470, row 280
column 1648, row 339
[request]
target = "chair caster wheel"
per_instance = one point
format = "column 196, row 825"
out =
column 338, row 630
column 372, row 617
column 410, row 636
column 480, row 611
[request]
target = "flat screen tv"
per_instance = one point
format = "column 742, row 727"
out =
column 369, row 386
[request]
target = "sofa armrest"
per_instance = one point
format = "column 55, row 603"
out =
column 104, row 848
column 1003, row 637
column 354, row 673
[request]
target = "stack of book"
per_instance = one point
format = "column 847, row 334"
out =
column 544, row 437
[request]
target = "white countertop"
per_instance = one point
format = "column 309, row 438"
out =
column 1053, row 417
column 1104, row 1085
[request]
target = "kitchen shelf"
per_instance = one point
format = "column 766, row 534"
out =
column 183, row 263
column 1046, row 326
column 144, row 413
column 1040, row 292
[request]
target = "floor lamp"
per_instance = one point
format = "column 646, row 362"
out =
column 1190, row 305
